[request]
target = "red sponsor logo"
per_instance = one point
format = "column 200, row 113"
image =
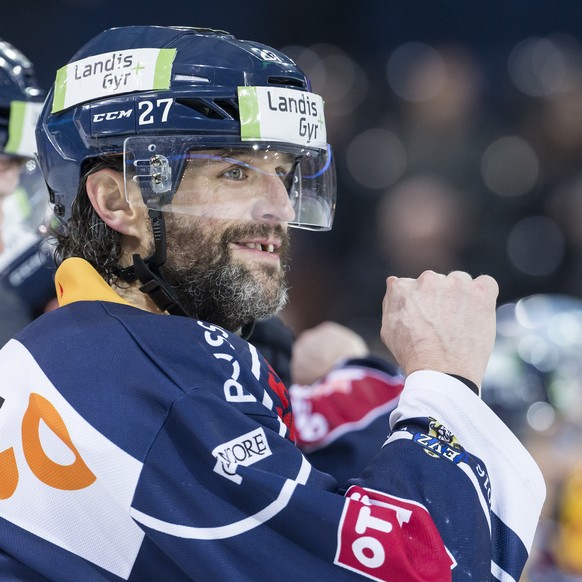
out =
column 391, row 539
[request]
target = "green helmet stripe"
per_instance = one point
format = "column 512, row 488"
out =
column 15, row 126
column 250, row 125
column 163, row 68
column 60, row 90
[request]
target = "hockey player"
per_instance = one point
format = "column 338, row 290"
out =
column 142, row 437
column 26, row 282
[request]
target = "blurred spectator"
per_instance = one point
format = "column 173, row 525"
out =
column 423, row 223
column 443, row 119
column 504, row 144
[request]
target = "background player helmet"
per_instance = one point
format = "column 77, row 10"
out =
column 157, row 95
column 534, row 382
column 20, row 97
column 24, row 267
column 534, row 375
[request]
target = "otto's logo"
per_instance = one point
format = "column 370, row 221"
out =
column 390, row 539
column 245, row 450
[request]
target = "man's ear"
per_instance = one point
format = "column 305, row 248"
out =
column 105, row 190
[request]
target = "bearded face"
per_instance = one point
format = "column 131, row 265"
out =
column 224, row 272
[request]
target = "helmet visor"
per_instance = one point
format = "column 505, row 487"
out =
column 273, row 182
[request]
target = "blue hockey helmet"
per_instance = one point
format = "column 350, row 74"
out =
column 25, row 264
column 159, row 97
column 20, row 103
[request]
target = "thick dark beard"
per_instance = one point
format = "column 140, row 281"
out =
column 207, row 282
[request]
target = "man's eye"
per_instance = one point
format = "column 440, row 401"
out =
column 286, row 175
column 235, row 174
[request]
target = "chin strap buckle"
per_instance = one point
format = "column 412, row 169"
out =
column 156, row 288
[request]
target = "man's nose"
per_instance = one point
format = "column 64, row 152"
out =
column 272, row 203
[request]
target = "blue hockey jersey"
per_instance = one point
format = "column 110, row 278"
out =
column 136, row 446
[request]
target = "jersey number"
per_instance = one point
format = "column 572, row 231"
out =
column 147, row 117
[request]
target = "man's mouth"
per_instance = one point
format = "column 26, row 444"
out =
column 266, row 247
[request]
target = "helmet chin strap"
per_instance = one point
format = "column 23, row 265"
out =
column 147, row 271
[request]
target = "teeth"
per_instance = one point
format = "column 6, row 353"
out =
column 270, row 248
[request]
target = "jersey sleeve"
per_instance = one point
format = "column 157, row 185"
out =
column 460, row 428
column 225, row 496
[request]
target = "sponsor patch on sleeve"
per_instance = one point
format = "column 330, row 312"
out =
column 244, row 450
column 440, row 442
column 388, row 538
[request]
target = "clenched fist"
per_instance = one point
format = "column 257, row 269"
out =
column 444, row 323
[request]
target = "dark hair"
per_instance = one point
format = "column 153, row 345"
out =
column 85, row 235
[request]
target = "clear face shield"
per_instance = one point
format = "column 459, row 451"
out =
column 279, row 170
column 258, row 182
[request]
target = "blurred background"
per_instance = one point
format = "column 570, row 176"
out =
column 457, row 131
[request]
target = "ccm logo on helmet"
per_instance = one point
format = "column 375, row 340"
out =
column 111, row 115
column 150, row 112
